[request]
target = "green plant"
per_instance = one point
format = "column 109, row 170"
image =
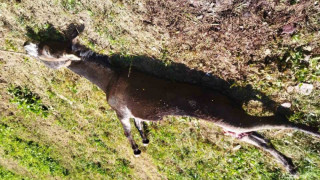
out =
column 70, row 5
column 164, row 56
column 9, row 45
column 304, row 67
column 27, row 100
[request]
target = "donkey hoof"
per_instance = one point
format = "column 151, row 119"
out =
column 145, row 142
column 137, row 153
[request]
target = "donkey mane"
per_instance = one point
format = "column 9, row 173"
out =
column 87, row 54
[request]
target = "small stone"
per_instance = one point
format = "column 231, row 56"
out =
column 307, row 58
column 267, row 52
column 288, row 29
column 236, row 148
column 290, row 89
column 247, row 14
column 307, row 48
column 200, row 17
column 286, row 105
column 304, row 88
column 155, row 49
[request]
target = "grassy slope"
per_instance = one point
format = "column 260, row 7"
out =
column 81, row 138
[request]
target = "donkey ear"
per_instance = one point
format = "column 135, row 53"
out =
column 75, row 40
column 72, row 57
column 75, row 30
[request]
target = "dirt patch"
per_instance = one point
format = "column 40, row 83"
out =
column 221, row 37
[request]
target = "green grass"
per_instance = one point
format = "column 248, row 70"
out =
column 38, row 158
column 180, row 148
column 32, row 155
column 305, row 68
column 9, row 175
column 184, row 153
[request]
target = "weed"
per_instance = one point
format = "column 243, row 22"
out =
column 73, row 88
column 296, row 38
column 292, row 2
column 164, row 56
column 91, row 45
column 21, row 20
column 94, row 167
column 305, row 68
column 70, row 5
column 9, row 45
column 123, row 165
column 27, row 100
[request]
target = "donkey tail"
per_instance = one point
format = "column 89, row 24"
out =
column 304, row 128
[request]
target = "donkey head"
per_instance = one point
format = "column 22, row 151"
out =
column 56, row 54
column 53, row 54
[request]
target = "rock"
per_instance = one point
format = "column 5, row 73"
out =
column 307, row 58
column 200, row 17
column 304, row 88
column 236, row 148
column 290, row 89
column 288, row 29
column 307, row 48
column 267, row 52
column 286, row 105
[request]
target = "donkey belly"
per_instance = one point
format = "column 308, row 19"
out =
column 155, row 108
column 151, row 98
column 226, row 116
column 153, row 105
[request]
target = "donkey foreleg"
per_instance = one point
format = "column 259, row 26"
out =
column 139, row 125
column 259, row 141
column 125, row 121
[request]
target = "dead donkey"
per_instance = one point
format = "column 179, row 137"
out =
column 147, row 98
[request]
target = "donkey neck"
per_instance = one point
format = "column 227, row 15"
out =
column 97, row 73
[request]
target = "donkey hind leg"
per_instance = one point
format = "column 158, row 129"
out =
column 139, row 125
column 258, row 140
column 125, row 121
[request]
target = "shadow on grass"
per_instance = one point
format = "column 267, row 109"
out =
column 48, row 32
column 174, row 71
